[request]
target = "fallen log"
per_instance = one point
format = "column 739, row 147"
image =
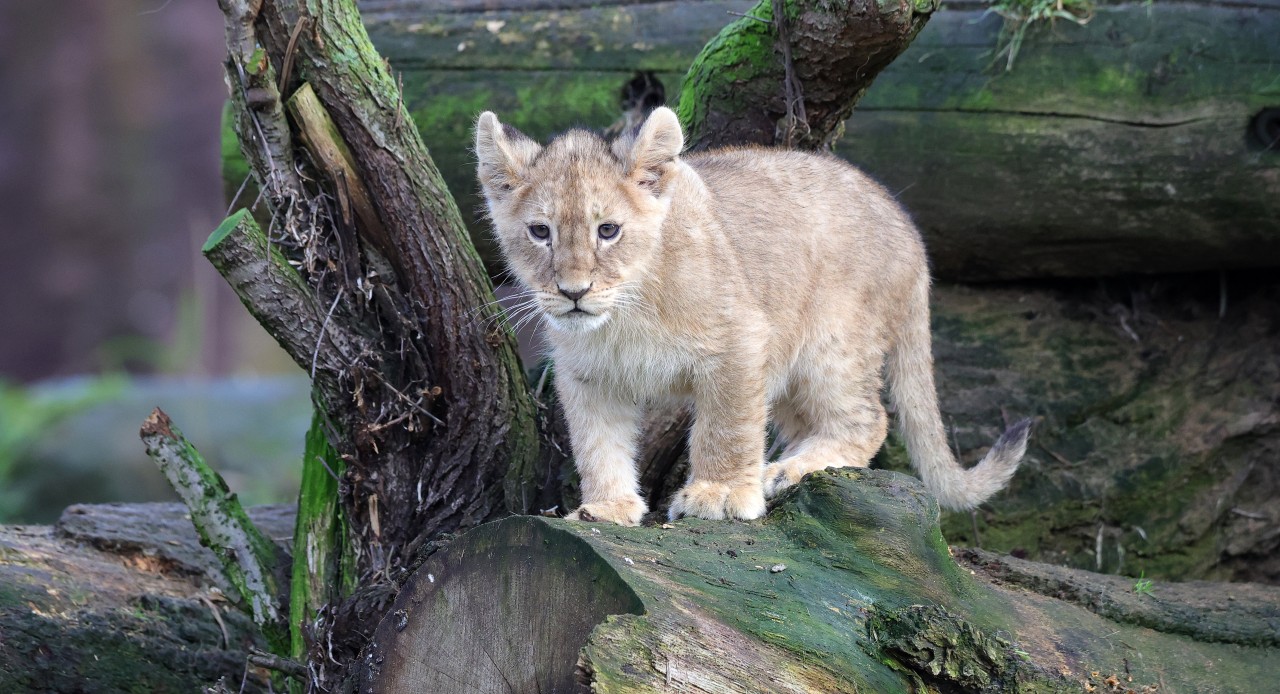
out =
column 846, row 586
column 1137, row 142
column 122, row 597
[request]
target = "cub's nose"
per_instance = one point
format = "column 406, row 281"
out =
column 573, row 294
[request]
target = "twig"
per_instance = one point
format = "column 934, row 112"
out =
column 217, row 617
column 1250, row 514
column 749, row 16
column 542, row 381
column 1124, row 324
column 1222, row 294
column 1097, row 547
column 1056, row 456
column 236, row 198
column 406, row 399
column 324, row 326
column 791, row 83
column 287, row 666
column 287, row 67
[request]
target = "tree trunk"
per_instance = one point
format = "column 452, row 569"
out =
column 422, row 396
column 846, row 586
column 366, row 276
column 1136, row 143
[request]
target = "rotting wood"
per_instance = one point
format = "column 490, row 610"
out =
column 322, row 140
column 76, row 616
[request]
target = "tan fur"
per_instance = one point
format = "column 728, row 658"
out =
column 756, row 283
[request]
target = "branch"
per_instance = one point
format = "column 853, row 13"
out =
column 248, row 557
column 793, row 77
column 280, row 300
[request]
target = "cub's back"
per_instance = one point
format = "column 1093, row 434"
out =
column 809, row 210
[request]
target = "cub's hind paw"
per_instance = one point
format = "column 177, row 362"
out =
column 718, row 500
column 626, row 511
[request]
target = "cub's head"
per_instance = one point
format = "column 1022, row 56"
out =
column 579, row 220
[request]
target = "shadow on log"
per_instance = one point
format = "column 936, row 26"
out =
column 846, row 586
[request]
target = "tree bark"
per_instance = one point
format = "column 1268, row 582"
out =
column 123, row 597
column 790, row 71
column 423, row 398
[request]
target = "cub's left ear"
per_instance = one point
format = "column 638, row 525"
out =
column 657, row 144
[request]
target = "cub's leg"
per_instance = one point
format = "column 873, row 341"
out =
column 603, row 431
column 726, row 448
column 832, row 417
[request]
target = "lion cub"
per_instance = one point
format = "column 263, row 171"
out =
column 756, row 283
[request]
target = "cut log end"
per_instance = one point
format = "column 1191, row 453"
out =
column 509, row 611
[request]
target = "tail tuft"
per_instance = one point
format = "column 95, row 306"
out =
column 1012, row 444
column 971, row 487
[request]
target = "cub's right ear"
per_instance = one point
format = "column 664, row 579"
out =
column 503, row 155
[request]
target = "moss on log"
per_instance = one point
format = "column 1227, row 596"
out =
column 847, row 585
column 323, row 570
column 1125, row 145
column 790, row 72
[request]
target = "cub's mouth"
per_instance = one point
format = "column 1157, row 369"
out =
column 577, row 320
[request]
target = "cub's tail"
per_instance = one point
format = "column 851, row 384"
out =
column 910, row 371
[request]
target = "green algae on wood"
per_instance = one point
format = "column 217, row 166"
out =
column 1120, row 146
column 1116, row 147
column 734, row 91
column 322, row 567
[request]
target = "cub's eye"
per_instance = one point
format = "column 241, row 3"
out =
column 608, row 231
column 539, row 231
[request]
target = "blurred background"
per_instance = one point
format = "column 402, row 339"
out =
column 109, row 183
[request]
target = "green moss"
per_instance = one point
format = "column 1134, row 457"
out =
column 740, row 52
column 224, row 229
column 234, row 167
column 159, row 645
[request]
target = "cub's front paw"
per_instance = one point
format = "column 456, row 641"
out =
column 786, row 473
column 625, row 511
column 718, row 500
